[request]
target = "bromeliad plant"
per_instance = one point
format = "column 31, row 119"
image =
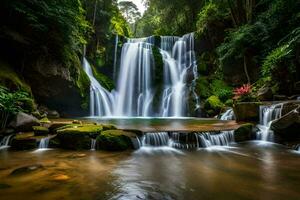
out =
column 243, row 93
column 11, row 103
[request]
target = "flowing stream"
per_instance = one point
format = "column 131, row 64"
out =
column 136, row 85
column 242, row 172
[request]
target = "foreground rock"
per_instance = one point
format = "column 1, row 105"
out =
column 24, row 141
column 115, row 140
column 24, row 122
column 76, row 137
column 27, row 169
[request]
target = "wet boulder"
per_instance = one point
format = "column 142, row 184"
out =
column 244, row 133
column 115, row 140
column 77, row 137
column 24, row 122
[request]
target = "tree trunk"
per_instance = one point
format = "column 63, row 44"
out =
column 246, row 70
column 95, row 11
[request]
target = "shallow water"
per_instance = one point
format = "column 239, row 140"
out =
column 246, row 171
column 148, row 124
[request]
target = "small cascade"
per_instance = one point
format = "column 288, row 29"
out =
column 44, row 143
column 156, row 139
column 93, row 144
column 228, row 115
column 267, row 114
column 225, row 138
column 5, row 141
column 187, row 140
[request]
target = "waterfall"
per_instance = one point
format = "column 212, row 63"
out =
column 44, row 142
column 5, row 141
column 267, row 114
column 225, row 138
column 228, row 115
column 101, row 100
column 135, row 85
column 93, row 144
column 179, row 58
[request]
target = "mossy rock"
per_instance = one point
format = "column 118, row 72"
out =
column 40, row 130
column 108, row 127
column 213, row 104
column 244, row 133
column 77, row 137
column 24, row 143
column 115, row 140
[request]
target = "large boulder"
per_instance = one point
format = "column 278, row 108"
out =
column 76, row 136
column 287, row 127
column 115, row 140
column 24, row 122
column 244, row 133
column 247, row 111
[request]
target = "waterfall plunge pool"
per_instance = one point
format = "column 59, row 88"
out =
column 243, row 171
column 151, row 124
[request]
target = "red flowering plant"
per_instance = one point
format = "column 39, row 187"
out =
column 243, row 93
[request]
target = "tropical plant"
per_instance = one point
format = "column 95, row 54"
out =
column 11, row 103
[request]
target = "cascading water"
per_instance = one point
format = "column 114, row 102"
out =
column 5, row 141
column 267, row 114
column 228, row 115
column 93, row 144
column 179, row 58
column 187, row 140
column 44, row 143
column 225, row 138
column 135, row 86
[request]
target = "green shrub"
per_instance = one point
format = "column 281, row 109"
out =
column 213, row 103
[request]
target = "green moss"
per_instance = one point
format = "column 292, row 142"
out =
column 213, row 102
column 108, row 127
column 10, row 79
column 76, row 136
column 115, row 140
column 102, row 79
column 81, row 129
column 45, row 120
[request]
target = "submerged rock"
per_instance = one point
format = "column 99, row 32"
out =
column 24, row 122
column 115, row 140
column 27, row 169
column 244, row 133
